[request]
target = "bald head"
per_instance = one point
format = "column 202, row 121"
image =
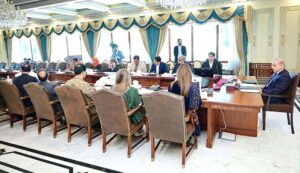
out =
column 277, row 65
column 42, row 75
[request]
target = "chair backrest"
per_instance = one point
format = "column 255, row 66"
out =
column 2, row 65
column 112, row 111
column 33, row 65
column 18, row 66
column 41, row 65
column 171, row 65
column 165, row 112
column 74, row 105
column 12, row 66
column 292, row 89
column 40, row 101
column 62, row 66
column 197, row 64
column 12, row 96
column 88, row 65
column 52, row 66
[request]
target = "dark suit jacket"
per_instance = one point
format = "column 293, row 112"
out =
column 50, row 89
column 177, row 66
column 277, row 85
column 163, row 68
column 22, row 80
column 217, row 66
column 183, row 51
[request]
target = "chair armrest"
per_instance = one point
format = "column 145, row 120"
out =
column 276, row 96
column 54, row 102
column 89, row 106
column 25, row 97
column 134, row 110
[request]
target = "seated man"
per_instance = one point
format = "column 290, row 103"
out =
column 279, row 82
column 213, row 63
column 158, row 66
column 181, row 60
column 79, row 83
column 23, row 79
column 43, row 77
column 137, row 65
column 72, row 64
column 113, row 66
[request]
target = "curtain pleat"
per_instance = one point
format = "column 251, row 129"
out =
column 44, row 46
column 8, row 50
column 91, row 41
column 238, row 23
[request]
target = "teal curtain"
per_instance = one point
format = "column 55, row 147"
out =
column 8, row 49
column 91, row 41
column 245, row 46
column 152, row 40
column 44, row 47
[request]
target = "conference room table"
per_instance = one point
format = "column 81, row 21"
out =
column 240, row 109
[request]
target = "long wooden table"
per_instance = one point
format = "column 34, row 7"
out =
column 144, row 80
column 240, row 112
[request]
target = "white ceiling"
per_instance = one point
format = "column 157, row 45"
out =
column 45, row 11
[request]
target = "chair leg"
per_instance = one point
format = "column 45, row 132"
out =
column 11, row 120
column 292, row 123
column 288, row 118
column 264, row 119
column 147, row 129
column 152, row 149
column 39, row 125
column 69, row 132
column 54, row 129
column 24, row 122
column 183, row 154
column 103, row 142
column 129, row 146
column 89, row 136
column 195, row 141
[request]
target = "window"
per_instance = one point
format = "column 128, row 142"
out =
column 183, row 32
column 59, row 47
column 120, row 37
column 104, row 50
column 204, row 40
column 25, row 48
column 137, row 45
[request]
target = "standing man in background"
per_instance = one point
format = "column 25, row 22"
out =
column 116, row 53
column 179, row 50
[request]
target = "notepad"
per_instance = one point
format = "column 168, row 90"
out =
column 250, row 91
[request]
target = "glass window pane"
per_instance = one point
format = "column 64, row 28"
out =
column 59, row 47
column 185, row 33
column 25, row 47
column 35, row 50
column 120, row 37
column 226, row 39
column 204, row 40
column 164, row 52
column 137, row 45
column 16, row 54
column 74, row 43
column 104, row 50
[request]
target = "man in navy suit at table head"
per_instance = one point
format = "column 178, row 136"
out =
column 158, row 66
column 279, row 82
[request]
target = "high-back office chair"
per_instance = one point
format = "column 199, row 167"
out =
column 43, row 106
column 40, row 65
column 287, row 107
column 115, row 117
column 51, row 66
column 197, row 64
column 77, row 113
column 18, row 66
column 88, row 65
column 171, row 65
column 14, row 102
column 166, row 112
column 2, row 65
column 12, row 66
column 62, row 66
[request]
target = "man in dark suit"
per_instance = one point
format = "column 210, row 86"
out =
column 279, row 82
column 181, row 60
column 179, row 50
column 158, row 66
column 213, row 63
column 25, row 78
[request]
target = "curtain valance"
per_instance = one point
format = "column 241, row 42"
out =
column 179, row 18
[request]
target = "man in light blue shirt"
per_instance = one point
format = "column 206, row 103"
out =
column 116, row 54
